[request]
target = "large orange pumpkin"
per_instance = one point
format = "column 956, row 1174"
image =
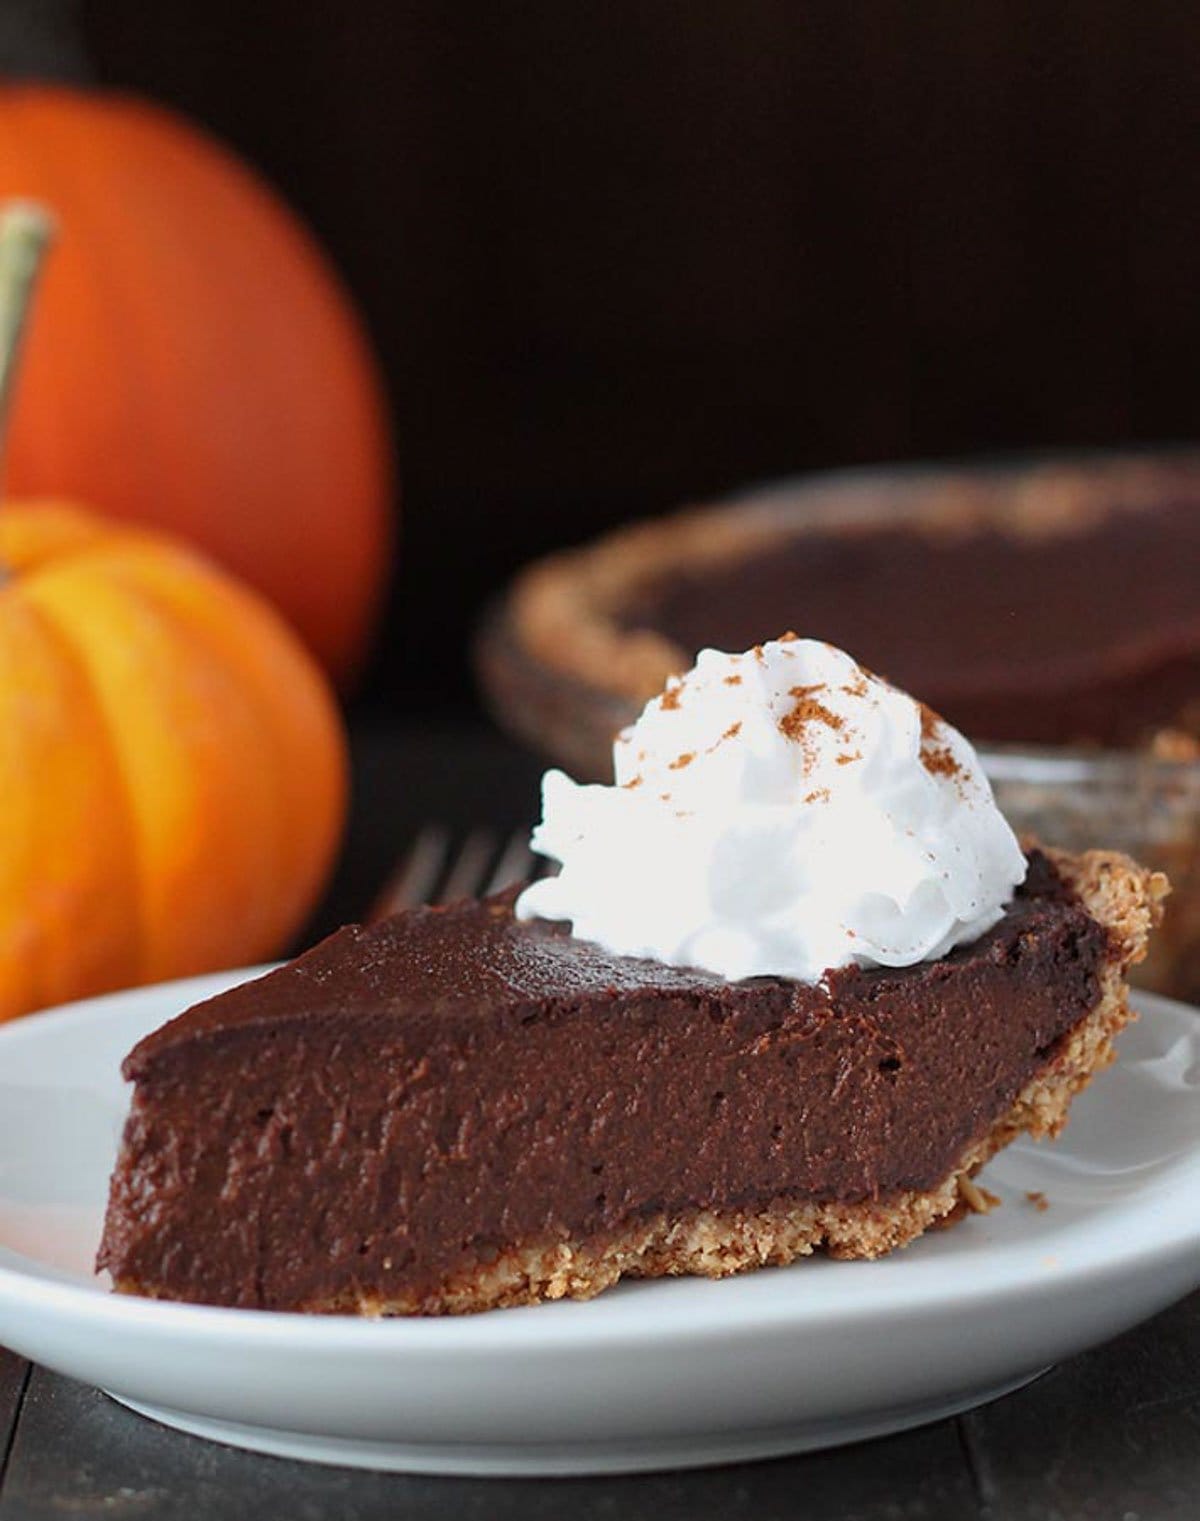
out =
column 193, row 362
column 172, row 765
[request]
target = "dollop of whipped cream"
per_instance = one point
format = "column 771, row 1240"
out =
column 780, row 812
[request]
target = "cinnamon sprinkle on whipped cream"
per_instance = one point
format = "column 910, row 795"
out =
column 818, row 817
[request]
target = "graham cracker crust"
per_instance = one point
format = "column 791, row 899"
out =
column 1117, row 893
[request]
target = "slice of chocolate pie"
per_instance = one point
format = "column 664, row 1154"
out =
column 469, row 1107
column 455, row 1110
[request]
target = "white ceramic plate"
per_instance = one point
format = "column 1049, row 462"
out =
column 649, row 1375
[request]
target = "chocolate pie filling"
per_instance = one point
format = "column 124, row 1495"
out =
column 407, row 1101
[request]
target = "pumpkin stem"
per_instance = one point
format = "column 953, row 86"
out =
column 25, row 233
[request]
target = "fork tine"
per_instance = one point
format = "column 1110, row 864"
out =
column 515, row 863
column 416, row 877
column 468, row 874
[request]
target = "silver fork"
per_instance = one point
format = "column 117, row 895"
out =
column 438, row 869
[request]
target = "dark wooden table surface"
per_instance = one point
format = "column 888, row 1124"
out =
column 1111, row 1436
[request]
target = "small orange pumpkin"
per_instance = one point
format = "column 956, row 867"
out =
column 194, row 364
column 172, row 763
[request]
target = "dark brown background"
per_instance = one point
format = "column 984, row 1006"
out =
column 615, row 255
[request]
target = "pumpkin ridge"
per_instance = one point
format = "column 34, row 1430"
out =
column 74, row 639
column 164, row 580
column 163, row 713
column 74, row 896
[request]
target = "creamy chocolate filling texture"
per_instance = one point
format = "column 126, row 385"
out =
column 407, row 1103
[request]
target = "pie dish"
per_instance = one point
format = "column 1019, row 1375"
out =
column 1050, row 602
column 455, row 1110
